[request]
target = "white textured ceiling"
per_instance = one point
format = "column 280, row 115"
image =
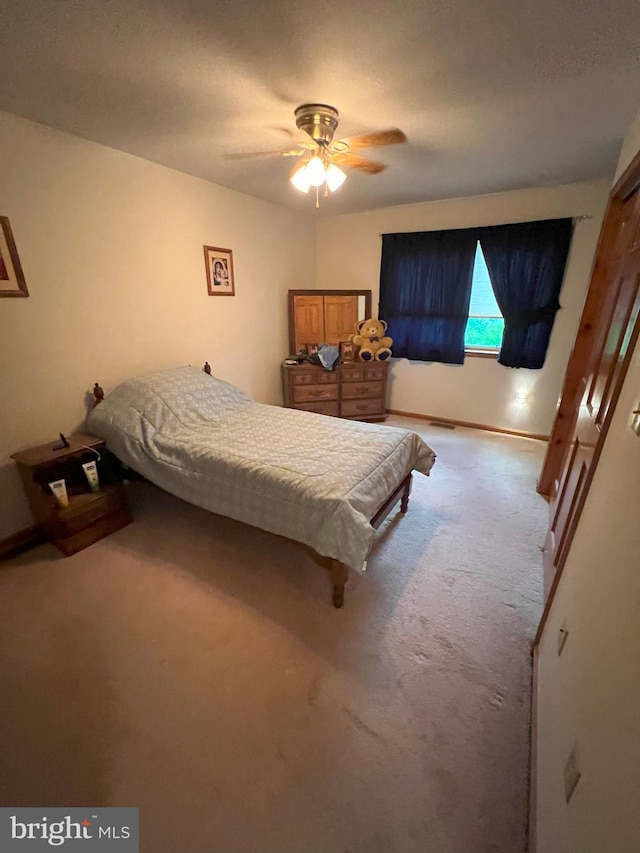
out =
column 492, row 94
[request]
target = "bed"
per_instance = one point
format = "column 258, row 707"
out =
column 322, row 481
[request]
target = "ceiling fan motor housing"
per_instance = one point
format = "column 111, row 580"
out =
column 318, row 120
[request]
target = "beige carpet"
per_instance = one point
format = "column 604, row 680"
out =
column 195, row 668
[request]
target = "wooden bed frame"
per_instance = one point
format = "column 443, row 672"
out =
column 339, row 572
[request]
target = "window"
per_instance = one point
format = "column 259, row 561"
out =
column 485, row 325
column 438, row 298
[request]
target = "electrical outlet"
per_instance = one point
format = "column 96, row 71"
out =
column 563, row 633
column 572, row 774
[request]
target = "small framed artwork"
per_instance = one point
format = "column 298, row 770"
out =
column 312, row 349
column 347, row 350
column 219, row 264
column 12, row 282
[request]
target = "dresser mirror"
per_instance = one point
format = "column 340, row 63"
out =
column 325, row 316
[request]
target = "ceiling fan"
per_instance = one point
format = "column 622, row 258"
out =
column 323, row 156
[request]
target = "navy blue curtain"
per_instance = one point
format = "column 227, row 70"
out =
column 526, row 263
column 425, row 287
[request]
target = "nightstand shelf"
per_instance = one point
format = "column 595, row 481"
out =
column 90, row 515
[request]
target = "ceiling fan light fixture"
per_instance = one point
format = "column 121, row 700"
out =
column 315, row 171
column 335, row 177
column 300, row 179
column 317, row 120
column 320, row 152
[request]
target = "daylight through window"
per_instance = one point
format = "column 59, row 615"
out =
column 485, row 325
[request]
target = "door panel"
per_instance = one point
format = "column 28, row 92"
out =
column 340, row 318
column 603, row 361
column 622, row 336
column 616, row 333
column 565, row 510
column 309, row 311
column 569, row 507
column 620, row 230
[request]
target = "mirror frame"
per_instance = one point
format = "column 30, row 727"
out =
column 318, row 292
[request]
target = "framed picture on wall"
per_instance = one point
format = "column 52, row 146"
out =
column 219, row 265
column 12, row 282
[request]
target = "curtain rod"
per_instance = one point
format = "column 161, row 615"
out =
column 575, row 219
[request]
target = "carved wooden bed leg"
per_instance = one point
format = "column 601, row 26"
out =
column 339, row 576
column 404, row 500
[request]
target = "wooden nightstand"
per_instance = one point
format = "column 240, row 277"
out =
column 90, row 515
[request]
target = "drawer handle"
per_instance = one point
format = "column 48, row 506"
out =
column 363, row 390
column 362, row 407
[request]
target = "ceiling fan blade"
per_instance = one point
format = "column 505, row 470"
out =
column 392, row 136
column 287, row 152
column 354, row 161
column 286, row 131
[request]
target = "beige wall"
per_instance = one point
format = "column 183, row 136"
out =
column 480, row 391
column 589, row 697
column 630, row 146
column 111, row 247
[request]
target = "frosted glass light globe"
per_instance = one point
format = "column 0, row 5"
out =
column 335, row 177
column 300, row 179
column 315, row 171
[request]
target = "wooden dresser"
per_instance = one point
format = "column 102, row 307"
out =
column 353, row 390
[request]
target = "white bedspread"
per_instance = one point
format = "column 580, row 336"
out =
column 312, row 478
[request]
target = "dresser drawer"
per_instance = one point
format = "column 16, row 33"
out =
column 87, row 509
column 355, row 389
column 315, row 377
column 79, row 539
column 375, row 371
column 357, row 408
column 331, row 408
column 352, row 374
column 313, row 393
column 362, row 389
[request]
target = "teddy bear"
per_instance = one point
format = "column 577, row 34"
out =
column 370, row 337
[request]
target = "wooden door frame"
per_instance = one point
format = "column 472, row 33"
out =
column 586, row 349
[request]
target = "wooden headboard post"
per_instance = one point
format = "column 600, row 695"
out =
column 207, row 368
